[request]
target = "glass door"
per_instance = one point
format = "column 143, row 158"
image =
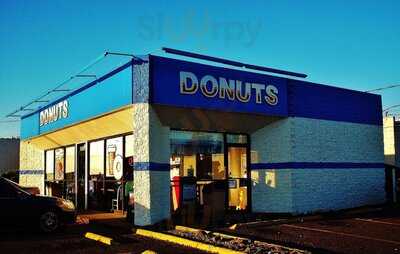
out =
column 80, row 176
column 237, row 177
column 70, row 191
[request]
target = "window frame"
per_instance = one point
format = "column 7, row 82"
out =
column 64, row 182
column 226, row 144
column 54, row 167
column 88, row 151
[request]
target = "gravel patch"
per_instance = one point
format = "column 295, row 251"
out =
column 236, row 243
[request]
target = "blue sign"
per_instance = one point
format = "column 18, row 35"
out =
column 109, row 92
column 186, row 84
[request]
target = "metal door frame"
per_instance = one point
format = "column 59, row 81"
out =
column 248, row 169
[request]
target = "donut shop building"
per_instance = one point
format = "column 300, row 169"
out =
column 220, row 138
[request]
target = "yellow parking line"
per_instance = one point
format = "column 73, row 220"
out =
column 99, row 238
column 185, row 242
column 187, row 229
column 149, row 252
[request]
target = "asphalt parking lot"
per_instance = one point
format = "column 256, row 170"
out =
column 72, row 240
column 372, row 231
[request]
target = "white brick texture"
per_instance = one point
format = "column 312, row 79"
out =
column 310, row 190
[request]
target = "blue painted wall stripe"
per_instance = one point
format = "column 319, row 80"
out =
column 316, row 165
column 151, row 166
column 31, row 172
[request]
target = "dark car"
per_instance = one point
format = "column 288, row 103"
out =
column 19, row 208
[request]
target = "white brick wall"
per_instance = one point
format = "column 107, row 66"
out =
column 272, row 191
column 331, row 141
column 151, row 145
column 334, row 189
column 272, row 144
column 31, row 158
column 151, row 187
column 309, row 190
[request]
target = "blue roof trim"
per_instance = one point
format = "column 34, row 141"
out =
column 317, row 101
column 302, row 98
column 233, row 63
column 99, row 80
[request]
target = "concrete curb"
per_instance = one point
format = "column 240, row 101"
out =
column 99, row 238
column 185, row 242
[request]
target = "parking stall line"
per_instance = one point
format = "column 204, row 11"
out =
column 342, row 234
column 378, row 221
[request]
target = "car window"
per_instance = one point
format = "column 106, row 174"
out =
column 10, row 189
column 6, row 191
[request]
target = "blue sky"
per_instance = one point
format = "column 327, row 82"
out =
column 341, row 43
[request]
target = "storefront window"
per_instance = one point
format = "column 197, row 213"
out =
column 198, row 154
column 96, row 158
column 114, row 156
column 70, row 172
column 96, row 174
column 128, row 174
column 114, row 162
column 128, row 159
column 50, row 165
column 59, row 167
column 128, row 145
column 236, row 139
column 70, row 162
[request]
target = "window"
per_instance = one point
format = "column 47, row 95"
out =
column 236, row 139
column 96, row 174
column 6, row 191
column 70, row 173
column 96, row 158
column 50, row 165
column 128, row 159
column 70, row 162
column 59, row 164
column 199, row 154
column 129, row 146
column 64, row 166
column 114, row 149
